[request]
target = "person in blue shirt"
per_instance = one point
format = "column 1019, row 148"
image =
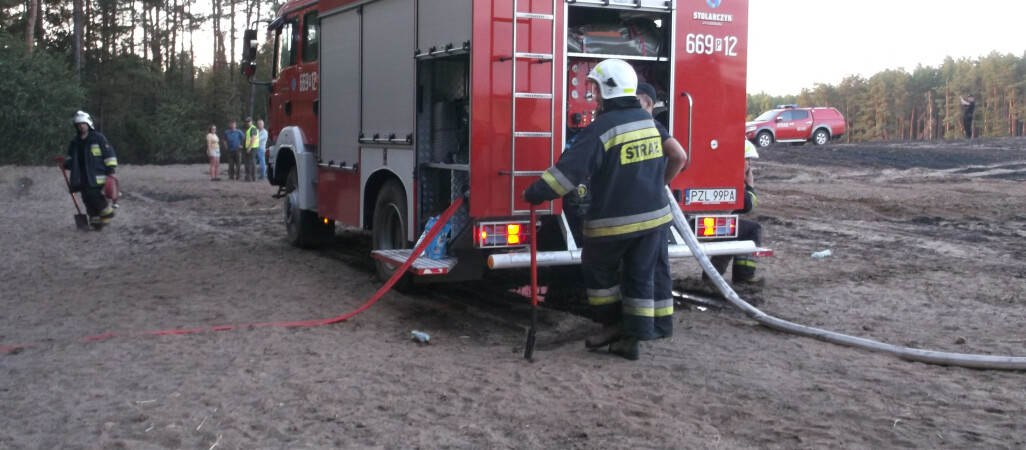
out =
column 233, row 138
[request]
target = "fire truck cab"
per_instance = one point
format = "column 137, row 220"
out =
column 383, row 112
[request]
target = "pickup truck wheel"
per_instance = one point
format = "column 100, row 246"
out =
column 820, row 137
column 764, row 139
column 389, row 233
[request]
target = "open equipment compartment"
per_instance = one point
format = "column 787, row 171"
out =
column 596, row 32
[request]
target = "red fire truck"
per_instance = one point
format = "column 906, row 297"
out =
column 383, row 112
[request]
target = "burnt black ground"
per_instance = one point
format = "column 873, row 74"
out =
column 939, row 154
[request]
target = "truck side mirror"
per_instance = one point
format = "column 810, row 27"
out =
column 779, row 118
column 249, row 52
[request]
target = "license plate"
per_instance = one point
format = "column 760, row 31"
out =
column 709, row 196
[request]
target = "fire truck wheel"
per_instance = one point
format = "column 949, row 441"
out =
column 389, row 232
column 764, row 139
column 303, row 227
column 292, row 181
column 820, row 137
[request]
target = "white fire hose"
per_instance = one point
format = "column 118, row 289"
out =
column 910, row 354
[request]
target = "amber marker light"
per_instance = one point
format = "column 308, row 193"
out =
column 709, row 226
column 513, row 234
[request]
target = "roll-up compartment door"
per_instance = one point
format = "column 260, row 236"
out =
column 340, row 89
column 388, row 70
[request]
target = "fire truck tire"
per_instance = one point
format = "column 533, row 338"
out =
column 820, row 137
column 389, row 233
column 764, row 139
column 292, row 181
column 304, row 228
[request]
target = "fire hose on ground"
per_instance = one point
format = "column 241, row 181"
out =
column 399, row 272
column 910, row 354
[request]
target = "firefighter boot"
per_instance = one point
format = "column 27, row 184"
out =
column 106, row 215
column 744, row 273
column 95, row 223
column 628, row 347
column 608, row 335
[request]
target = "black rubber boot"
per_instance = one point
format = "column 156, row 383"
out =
column 628, row 347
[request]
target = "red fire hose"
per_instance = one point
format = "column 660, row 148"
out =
column 431, row 235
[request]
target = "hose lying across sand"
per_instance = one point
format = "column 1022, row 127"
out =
column 911, row 354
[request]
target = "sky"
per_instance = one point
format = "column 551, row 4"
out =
column 794, row 44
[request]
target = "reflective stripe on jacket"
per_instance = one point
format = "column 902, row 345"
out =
column 92, row 155
column 620, row 157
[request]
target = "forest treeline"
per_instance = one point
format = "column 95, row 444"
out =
column 132, row 65
column 924, row 104
column 135, row 72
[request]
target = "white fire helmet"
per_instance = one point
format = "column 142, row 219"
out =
column 82, row 117
column 615, row 78
column 750, row 150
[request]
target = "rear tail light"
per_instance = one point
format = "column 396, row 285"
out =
column 716, row 226
column 501, row 234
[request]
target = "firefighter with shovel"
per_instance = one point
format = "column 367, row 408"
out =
column 91, row 161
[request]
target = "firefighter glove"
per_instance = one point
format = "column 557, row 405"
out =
column 534, row 199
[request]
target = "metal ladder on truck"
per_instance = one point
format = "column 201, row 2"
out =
column 517, row 135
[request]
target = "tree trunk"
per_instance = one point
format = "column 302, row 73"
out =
column 231, row 45
column 912, row 126
column 930, row 130
column 30, row 24
column 158, row 56
column 176, row 19
column 219, row 56
column 77, row 24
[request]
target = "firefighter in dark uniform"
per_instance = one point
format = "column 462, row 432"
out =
column 621, row 155
column 91, row 159
column 743, row 272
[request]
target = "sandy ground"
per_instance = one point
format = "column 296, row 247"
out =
column 929, row 252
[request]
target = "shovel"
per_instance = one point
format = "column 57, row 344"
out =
column 529, row 347
column 81, row 221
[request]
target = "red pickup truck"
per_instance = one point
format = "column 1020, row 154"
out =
column 789, row 123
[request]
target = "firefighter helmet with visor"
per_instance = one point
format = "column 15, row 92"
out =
column 615, row 78
column 82, row 117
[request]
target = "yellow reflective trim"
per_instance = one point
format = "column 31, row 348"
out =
column 629, row 228
column 663, row 312
column 631, row 136
column 639, row 151
column 755, row 200
column 639, row 311
column 554, row 184
column 744, row 262
column 602, row 301
column 95, row 149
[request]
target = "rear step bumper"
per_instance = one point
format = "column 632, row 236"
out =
column 422, row 266
column 519, row 260
column 567, row 257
